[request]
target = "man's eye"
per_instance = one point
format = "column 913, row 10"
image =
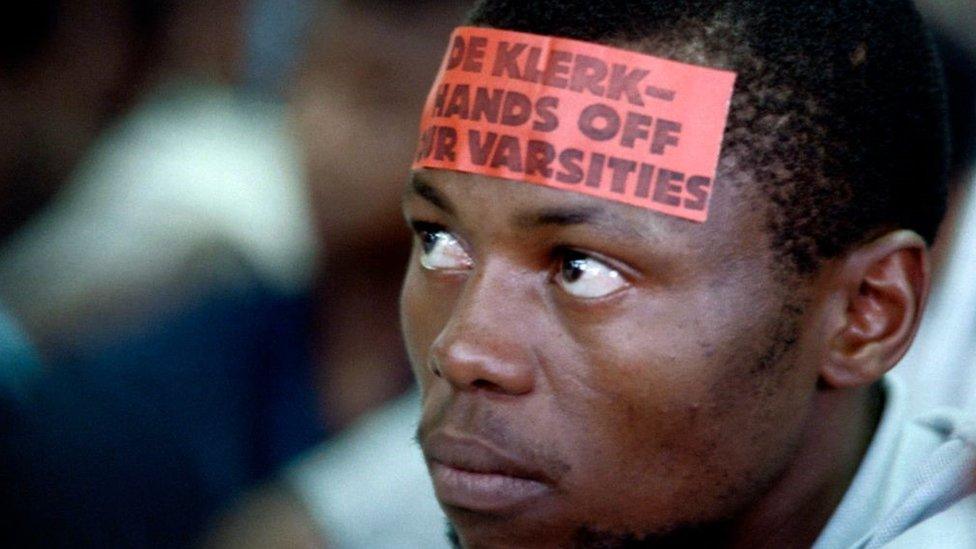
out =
column 585, row 277
column 440, row 250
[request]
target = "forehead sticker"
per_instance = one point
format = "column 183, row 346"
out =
column 576, row 116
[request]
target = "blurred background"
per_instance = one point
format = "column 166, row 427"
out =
column 200, row 256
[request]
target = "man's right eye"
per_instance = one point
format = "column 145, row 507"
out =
column 441, row 250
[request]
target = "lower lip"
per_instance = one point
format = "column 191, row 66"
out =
column 483, row 492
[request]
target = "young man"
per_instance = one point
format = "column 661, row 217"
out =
column 609, row 356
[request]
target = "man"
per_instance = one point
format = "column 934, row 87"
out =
column 694, row 372
column 153, row 219
column 59, row 89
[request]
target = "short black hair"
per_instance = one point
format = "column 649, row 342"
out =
column 838, row 114
column 960, row 72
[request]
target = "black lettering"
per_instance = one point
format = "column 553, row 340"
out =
column 572, row 172
column 458, row 105
column 479, row 151
column 517, row 109
column 557, row 68
column 446, row 141
column 532, row 71
column 441, row 99
column 506, row 60
column 665, row 191
column 508, row 154
column 588, row 74
column 486, row 106
column 457, row 53
column 665, row 134
column 475, row 55
column 595, row 174
column 636, row 126
column 588, row 122
column 622, row 169
column 426, row 145
column 624, row 83
column 544, row 107
column 697, row 187
column 539, row 155
column 644, row 177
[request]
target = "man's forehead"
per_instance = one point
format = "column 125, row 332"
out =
column 580, row 117
column 474, row 198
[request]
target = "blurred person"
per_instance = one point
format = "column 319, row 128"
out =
column 166, row 286
column 58, row 89
column 595, row 374
column 198, row 187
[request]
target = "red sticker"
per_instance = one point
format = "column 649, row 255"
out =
column 577, row 116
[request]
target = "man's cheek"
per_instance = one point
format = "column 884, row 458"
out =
column 652, row 404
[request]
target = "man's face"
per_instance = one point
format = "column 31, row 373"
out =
column 592, row 371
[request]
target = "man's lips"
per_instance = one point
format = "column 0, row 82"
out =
column 473, row 474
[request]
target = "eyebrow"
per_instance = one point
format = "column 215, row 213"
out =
column 569, row 216
column 557, row 216
column 424, row 190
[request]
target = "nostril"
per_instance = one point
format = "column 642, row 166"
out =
column 472, row 367
column 434, row 367
column 484, row 384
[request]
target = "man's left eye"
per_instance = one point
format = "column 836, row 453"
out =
column 441, row 250
column 586, row 277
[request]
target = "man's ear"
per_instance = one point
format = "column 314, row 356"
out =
column 880, row 290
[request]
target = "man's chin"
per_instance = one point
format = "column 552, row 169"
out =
column 584, row 537
column 504, row 534
column 483, row 531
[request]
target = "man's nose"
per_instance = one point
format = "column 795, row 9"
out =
column 487, row 343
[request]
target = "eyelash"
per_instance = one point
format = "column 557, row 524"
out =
column 559, row 257
column 563, row 252
column 424, row 229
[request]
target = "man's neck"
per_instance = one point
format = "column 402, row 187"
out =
column 796, row 509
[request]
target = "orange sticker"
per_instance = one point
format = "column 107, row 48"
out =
column 577, row 116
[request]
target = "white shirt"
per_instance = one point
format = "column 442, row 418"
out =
column 369, row 489
column 940, row 367
column 915, row 487
column 195, row 183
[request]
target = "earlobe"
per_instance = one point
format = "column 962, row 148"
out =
column 882, row 287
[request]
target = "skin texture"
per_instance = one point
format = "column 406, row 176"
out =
column 711, row 397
